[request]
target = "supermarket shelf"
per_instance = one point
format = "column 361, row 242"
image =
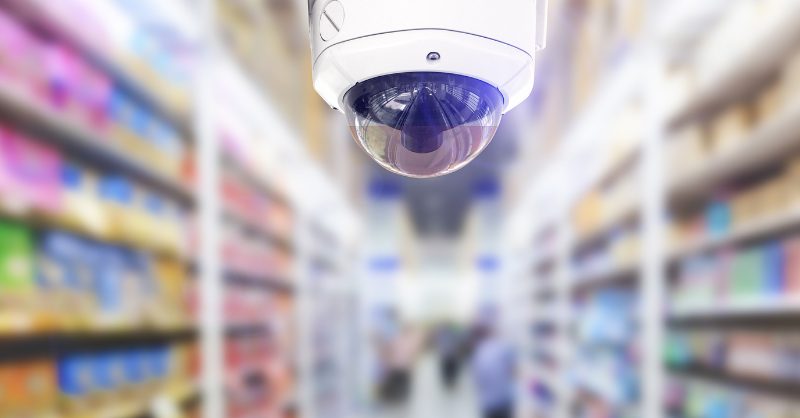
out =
column 260, row 230
column 765, row 386
column 768, row 308
column 622, row 164
column 615, row 276
column 238, row 168
column 36, row 14
column 248, row 330
column 765, row 227
column 49, row 125
column 266, row 283
column 16, row 346
column 627, row 215
column 768, row 144
column 43, row 223
column 183, row 397
column 751, row 68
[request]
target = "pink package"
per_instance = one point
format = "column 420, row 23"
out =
column 5, row 172
column 61, row 68
column 33, row 173
column 19, row 53
column 94, row 94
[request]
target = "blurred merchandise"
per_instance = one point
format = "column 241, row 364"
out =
column 755, row 356
column 606, row 358
column 700, row 399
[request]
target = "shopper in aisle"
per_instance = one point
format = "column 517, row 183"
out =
column 401, row 355
column 494, row 371
column 449, row 347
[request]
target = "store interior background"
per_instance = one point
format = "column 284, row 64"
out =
column 186, row 229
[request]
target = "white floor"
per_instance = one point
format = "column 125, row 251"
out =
column 431, row 400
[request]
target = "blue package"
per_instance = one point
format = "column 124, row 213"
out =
column 75, row 375
column 141, row 122
column 120, row 107
column 153, row 204
column 116, row 189
column 63, row 262
column 71, row 176
column 137, row 275
column 718, row 218
column 109, row 288
column 158, row 359
column 103, row 375
column 774, row 268
column 134, row 366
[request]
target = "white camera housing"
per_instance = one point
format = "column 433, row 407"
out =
column 353, row 41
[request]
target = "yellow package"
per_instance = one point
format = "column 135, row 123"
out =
column 82, row 210
column 117, row 199
column 172, row 278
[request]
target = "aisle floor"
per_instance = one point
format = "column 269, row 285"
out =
column 431, row 400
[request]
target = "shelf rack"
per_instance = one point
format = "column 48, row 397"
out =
column 196, row 124
column 766, row 146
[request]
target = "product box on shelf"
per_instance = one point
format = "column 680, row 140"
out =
column 18, row 62
column 76, row 383
column 17, row 292
column 29, row 389
column 81, row 208
column 29, row 175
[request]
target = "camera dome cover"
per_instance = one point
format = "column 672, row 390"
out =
column 423, row 124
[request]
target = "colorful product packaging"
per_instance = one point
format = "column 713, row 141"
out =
column 28, row 389
column 774, row 270
column 75, row 379
column 81, row 208
column 31, row 179
column 117, row 196
column 19, row 55
column 94, row 95
column 792, row 267
column 140, row 303
column 111, row 287
column 172, row 278
column 65, row 272
column 60, row 65
column 17, row 285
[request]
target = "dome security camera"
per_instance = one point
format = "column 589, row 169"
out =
column 424, row 83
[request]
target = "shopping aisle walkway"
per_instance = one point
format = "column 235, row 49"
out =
column 431, row 400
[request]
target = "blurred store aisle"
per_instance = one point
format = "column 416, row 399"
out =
column 431, row 399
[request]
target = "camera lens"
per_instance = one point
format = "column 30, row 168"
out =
column 423, row 124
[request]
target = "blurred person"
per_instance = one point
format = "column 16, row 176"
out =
column 449, row 347
column 494, row 372
column 400, row 356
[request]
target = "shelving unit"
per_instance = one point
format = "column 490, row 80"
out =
column 78, row 303
column 687, row 215
column 214, row 325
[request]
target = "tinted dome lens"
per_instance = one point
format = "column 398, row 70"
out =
column 423, row 124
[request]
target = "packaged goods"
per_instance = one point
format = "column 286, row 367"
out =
column 75, row 380
column 117, row 194
column 31, row 176
column 82, row 210
column 28, row 388
column 17, row 298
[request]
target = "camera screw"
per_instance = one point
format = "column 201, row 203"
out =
column 434, row 56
